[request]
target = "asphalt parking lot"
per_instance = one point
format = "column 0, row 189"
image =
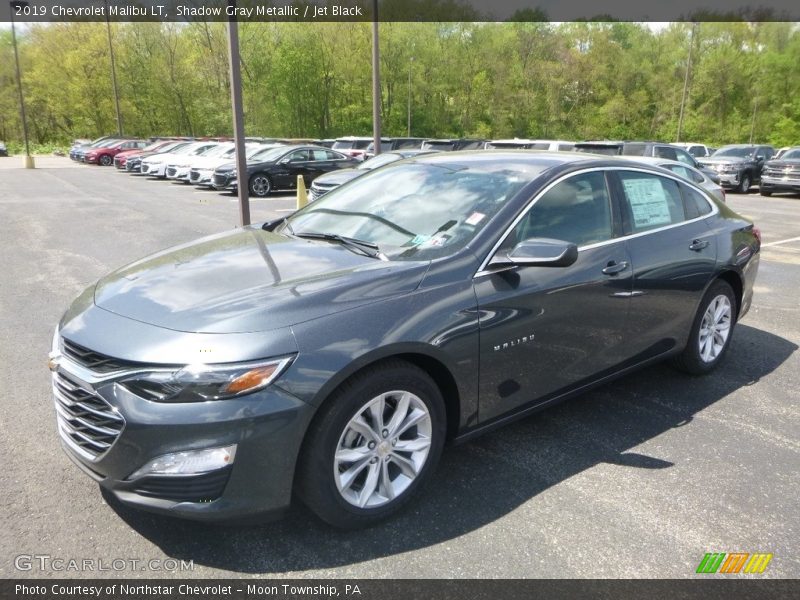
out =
column 639, row 478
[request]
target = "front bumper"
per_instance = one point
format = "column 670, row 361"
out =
column 223, row 182
column 153, row 169
column 729, row 179
column 790, row 183
column 267, row 427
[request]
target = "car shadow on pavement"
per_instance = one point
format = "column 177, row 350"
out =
column 483, row 481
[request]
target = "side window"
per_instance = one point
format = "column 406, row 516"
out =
column 576, row 210
column 694, row 203
column 680, row 170
column 665, row 152
column 319, row 155
column 299, row 156
column 650, row 201
column 685, row 157
column 566, row 147
column 333, row 155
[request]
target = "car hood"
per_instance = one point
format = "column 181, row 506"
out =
column 250, row 280
column 131, row 153
column 783, row 163
column 339, row 177
column 723, row 160
column 208, row 162
column 163, row 156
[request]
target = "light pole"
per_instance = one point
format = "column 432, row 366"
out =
column 29, row 163
column 686, row 83
column 410, row 64
column 113, row 72
column 235, row 69
column 376, row 82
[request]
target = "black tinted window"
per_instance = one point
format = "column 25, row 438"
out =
column 694, row 203
column 666, row 152
column 650, row 201
column 576, row 210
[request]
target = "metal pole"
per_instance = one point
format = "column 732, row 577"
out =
column 113, row 72
column 686, row 83
column 410, row 63
column 238, row 118
column 376, row 82
column 28, row 158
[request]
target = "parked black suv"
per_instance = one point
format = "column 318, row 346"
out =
column 657, row 149
column 739, row 165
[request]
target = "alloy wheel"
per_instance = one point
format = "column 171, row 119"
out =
column 715, row 328
column 382, row 449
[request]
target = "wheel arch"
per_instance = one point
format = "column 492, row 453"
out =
column 734, row 279
column 421, row 357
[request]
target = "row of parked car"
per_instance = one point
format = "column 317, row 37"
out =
column 274, row 164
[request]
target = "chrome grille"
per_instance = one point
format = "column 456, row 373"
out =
column 171, row 171
column 220, row 180
column 194, row 175
column 100, row 363
column 86, row 422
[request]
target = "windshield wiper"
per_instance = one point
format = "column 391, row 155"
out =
column 364, row 247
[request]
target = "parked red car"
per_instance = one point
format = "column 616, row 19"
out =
column 105, row 155
column 122, row 157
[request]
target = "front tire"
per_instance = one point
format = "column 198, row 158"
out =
column 260, row 185
column 712, row 330
column 374, row 443
column 106, row 160
column 744, row 185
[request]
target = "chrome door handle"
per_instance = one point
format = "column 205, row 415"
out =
column 698, row 245
column 615, row 267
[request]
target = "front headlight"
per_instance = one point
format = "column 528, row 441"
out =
column 200, row 383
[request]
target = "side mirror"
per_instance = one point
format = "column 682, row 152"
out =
column 538, row 252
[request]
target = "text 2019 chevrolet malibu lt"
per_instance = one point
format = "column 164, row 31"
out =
column 333, row 352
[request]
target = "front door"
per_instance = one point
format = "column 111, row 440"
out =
column 545, row 329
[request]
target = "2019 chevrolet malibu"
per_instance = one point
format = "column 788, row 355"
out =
column 334, row 352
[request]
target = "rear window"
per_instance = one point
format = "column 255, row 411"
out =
column 650, row 201
column 694, row 203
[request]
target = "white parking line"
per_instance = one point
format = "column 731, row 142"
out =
column 794, row 239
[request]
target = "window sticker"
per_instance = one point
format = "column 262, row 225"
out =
column 419, row 239
column 475, row 218
column 648, row 200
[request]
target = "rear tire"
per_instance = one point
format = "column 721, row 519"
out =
column 711, row 332
column 372, row 445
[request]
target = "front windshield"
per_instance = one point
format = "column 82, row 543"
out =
column 268, row 154
column 414, row 211
column 217, row 150
column 737, row 151
column 791, row 154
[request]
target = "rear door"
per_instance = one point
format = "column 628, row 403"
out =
column 544, row 329
column 673, row 255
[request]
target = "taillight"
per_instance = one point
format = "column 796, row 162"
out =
column 757, row 234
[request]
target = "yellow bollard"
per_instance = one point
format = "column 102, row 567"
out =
column 29, row 163
column 302, row 196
